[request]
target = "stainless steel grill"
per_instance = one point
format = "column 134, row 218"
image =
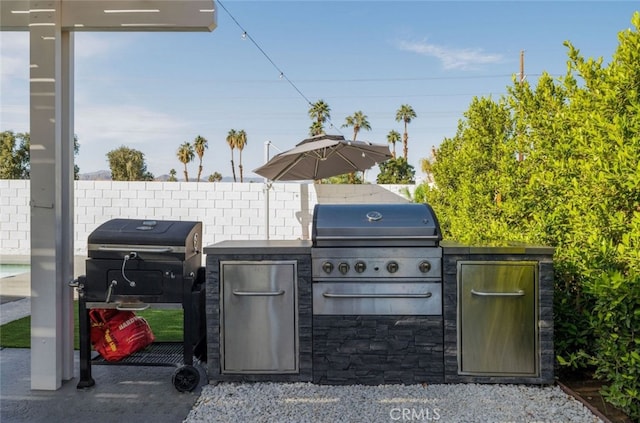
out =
column 377, row 294
column 376, row 259
column 375, row 225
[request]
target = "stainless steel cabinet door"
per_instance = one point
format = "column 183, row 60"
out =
column 497, row 318
column 259, row 330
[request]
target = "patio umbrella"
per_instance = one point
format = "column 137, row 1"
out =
column 323, row 156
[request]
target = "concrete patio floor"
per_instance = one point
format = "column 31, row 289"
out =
column 121, row 393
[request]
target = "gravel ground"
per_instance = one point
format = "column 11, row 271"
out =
column 458, row 403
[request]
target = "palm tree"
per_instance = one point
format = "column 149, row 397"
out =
column 200, row 144
column 215, row 177
column 358, row 121
column 392, row 138
column 231, row 140
column 185, row 155
column 241, row 141
column 404, row 114
column 316, row 128
column 320, row 112
column 172, row 176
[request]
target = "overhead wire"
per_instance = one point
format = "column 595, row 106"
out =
column 282, row 75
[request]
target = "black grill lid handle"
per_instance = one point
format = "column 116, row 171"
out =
column 140, row 250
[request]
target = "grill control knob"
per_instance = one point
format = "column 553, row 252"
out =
column 424, row 266
column 360, row 266
column 327, row 266
column 343, row 268
column 392, row 266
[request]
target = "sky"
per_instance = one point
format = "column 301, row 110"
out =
column 154, row 91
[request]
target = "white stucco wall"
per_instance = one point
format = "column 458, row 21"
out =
column 228, row 210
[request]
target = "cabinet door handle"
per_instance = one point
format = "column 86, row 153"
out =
column 330, row 295
column 258, row 293
column 518, row 293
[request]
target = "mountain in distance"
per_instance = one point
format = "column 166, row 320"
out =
column 105, row 175
column 100, row 175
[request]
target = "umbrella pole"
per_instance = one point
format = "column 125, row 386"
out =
column 267, row 187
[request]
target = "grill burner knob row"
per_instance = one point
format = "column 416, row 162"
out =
column 360, row 266
column 343, row 268
column 393, row 266
column 327, row 266
column 424, row 266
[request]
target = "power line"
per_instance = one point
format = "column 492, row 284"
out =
column 421, row 78
column 245, row 81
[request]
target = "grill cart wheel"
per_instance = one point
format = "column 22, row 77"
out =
column 186, row 378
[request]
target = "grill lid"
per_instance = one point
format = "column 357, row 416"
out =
column 370, row 225
column 149, row 239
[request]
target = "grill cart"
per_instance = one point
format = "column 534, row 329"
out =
column 137, row 264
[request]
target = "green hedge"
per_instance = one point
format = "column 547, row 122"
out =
column 559, row 164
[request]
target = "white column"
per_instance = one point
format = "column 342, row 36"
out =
column 51, row 187
column 66, row 170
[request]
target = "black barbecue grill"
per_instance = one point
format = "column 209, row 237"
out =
column 377, row 294
column 136, row 264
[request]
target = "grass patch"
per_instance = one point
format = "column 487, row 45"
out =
column 165, row 324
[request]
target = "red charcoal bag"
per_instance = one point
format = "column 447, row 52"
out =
column 116, row 334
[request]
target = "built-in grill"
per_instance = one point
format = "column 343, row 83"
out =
column 377, row 294
column 376, row 298
column 135, row 264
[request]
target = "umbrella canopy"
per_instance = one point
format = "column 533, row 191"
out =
column 323, row 156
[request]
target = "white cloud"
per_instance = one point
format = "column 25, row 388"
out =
column 14, row 50
column 14, row 81
column 14, row 55
column 129, row 123
column 452, row 58
column 102, row 128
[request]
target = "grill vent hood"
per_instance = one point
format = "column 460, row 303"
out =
column 157, row 239
column 371, row 225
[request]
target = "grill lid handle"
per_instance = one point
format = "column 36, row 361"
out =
column 138, row 250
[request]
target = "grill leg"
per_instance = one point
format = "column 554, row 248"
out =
column 86, row 381
column 187, row 321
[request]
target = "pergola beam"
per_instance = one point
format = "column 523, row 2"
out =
column 114, row 15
